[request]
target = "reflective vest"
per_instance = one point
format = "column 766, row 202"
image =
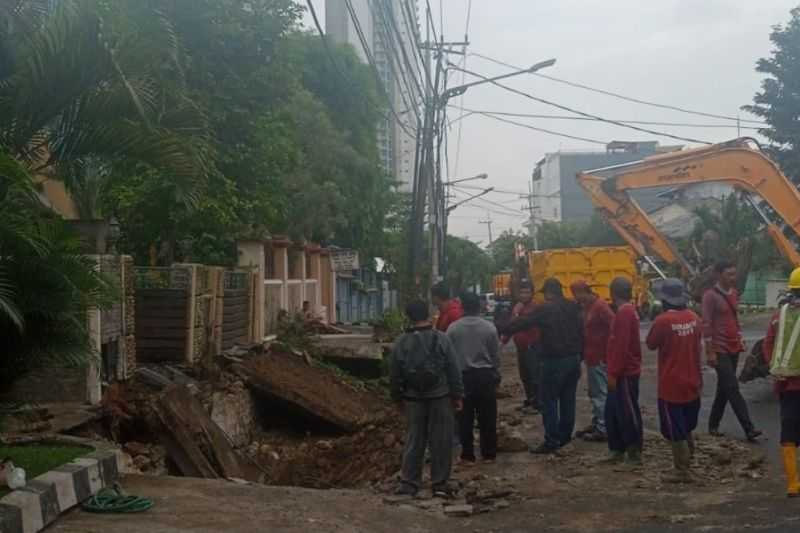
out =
column 786, row 353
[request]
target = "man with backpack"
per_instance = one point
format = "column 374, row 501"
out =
column 425, row 376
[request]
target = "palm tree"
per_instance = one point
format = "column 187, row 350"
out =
column 90, row 80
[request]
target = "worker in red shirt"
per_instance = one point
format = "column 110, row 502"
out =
column 624, row 357
column 527, row 344
column 677, row 336
column 782, row 351
column 723, row 337
column 450, row 309
column 597, row 319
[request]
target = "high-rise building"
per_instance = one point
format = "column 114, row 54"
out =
column 389, row 29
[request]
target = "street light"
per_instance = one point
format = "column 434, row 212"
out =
column 473, row 197
column 461, row 89
column 482, row 176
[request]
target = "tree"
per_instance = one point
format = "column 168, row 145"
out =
column 778, row 102
column 46, row 284
column 503, row 248
column 79, row 83
column 469, row 264
column 566, row 234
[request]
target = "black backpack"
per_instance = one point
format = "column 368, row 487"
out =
column 424, row 370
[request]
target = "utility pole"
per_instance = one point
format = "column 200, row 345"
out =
column 429, row 189
column 533, row 230
column 488, row 223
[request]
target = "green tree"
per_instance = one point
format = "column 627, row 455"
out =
column 778, row 102
column 594, row 232
column 468, row 264
column 46, row 284
column 503, row 247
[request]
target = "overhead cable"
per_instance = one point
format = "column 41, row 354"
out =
column 621, row 96
column 582, row 113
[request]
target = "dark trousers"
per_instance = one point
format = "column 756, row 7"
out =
column 623, row 416
column 430, row 424
column 728, row 391
column 480, row 401
column 790, row 417
column 560, row 376
column 529, row 374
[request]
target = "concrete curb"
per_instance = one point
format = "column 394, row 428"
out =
column 38, row 504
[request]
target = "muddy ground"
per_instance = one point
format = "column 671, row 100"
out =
column 739, row 486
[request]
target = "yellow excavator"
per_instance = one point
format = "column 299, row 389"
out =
column 738, row 163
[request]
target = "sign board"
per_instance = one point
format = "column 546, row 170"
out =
column 344, row 260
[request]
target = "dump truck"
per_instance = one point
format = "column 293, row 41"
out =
column 598, row 266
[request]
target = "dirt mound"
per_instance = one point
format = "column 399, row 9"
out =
column 361, row 459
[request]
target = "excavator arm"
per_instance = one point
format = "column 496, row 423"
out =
column 734, row 163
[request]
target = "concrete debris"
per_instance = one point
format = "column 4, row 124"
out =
column 459, row 510
column 193, row 441
column 309, row 391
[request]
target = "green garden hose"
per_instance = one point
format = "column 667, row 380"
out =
column 114, row 500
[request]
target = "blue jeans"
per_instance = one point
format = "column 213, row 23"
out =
column 560, row 376
column 597, row 376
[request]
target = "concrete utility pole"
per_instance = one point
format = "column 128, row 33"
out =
column 488, row 223
column 533, row 230
column 429, row 194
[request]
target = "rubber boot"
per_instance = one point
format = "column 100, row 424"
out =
column 681, row 458
column 634, row 456
column 790, row 466
column 692, row 446
column 614, row 458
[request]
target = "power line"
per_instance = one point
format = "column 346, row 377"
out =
column 371, row 60
column 582, row 113
column 543, row 130
column 469, row 112
column 395, row 64
column 463, row 80
column 621, row 96
column 340, row 72
column 505, row 208
column 390, row 25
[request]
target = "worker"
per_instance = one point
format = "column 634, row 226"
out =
column 724, row 343
column 676, row 334
column 597, row 319
column 478, row 353
column 527, row 344
column 782, row 351
column 624, row 357
column 450, row 309
column 424, row 375
column 559, row 321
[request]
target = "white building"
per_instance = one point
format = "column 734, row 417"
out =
column 390, row 28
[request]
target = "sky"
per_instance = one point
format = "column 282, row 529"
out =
column 695, row 54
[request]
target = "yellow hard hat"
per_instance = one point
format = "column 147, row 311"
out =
column 794, row 279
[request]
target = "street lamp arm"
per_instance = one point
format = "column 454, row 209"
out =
column 473, row 197
column 461, row 89
column 481, row 176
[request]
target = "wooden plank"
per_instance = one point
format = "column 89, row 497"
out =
column 152, row 355
column 156, row 322
column 147, row 342
column 236, row 300
column 161, row 313
column 238, row 308
column 155, row 306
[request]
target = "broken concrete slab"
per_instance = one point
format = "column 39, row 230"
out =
column 358, row 354
column 315, row 393
column 193, row 441
column 459, row 510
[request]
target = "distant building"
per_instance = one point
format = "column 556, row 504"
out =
column 389, row 27
column 557, row 195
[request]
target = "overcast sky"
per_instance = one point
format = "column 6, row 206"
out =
column 696, row 54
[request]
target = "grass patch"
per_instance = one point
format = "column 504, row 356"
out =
column 38, row 458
